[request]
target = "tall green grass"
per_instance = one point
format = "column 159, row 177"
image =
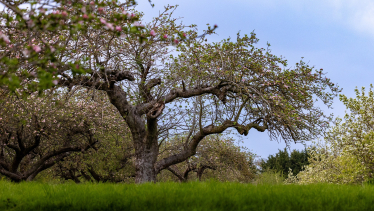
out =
column 187, row 196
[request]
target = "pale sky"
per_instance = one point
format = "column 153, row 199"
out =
column 336, row 35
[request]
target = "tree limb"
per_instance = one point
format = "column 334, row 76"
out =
column 199, row 136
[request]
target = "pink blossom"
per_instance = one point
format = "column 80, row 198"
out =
column 52, row 49
column 55, row 82
column 4, row 37
column 184, row 35
column 176, row 41
column 64, row 13
column 124, row 12
column 152, row 33
column 92, row 3
column 100, row 9
column 118, row 28
column 102, row 20
column 36, row 48
column 165, row 36
column 85, row 16
column 109, row 26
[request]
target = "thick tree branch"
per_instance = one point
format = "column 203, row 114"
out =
column 19, row 139
column 49, row 155
column 145, row 90
column 86, row 176
column 13, row 176
column 4, row 165
column 182, row 93
column 180, row 177
column 46, row 166
column 35, row 145
column 14, row 147
column 201, row 170
column 118, row 98
column 219, row 91
column 115, row 93
column 199, row 136
column 156, row 110
column 115, row 76
column 96, row 176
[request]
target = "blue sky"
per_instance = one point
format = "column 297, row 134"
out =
column 336, row 35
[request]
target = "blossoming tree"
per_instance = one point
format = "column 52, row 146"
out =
column 34, row 34
column 217, row 157
column 203, row 89
column 37, row 133
column 347, row 152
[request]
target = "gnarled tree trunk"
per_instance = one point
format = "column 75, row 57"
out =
column 145, row 139
column 144, row 165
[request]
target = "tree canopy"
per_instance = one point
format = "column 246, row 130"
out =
column 283, row 161
column 166, row 80
column 346, row 153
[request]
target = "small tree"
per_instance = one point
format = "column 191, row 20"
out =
column 110, row 161
column 217, row 158
column 36, row 133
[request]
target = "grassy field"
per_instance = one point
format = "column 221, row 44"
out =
column 188, row 196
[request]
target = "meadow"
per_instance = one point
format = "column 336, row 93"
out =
column 184, row 196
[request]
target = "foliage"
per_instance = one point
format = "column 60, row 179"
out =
column 111, row 161
column 282, row 161
column 217, row 158
column 184, row 196
column 111, row 158
column 38, row 132
column 34, row 34
column 346, row 155
column 206, row 89
column 269, row 177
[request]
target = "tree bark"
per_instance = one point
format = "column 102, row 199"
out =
column 144, row 166
column 146, row 153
